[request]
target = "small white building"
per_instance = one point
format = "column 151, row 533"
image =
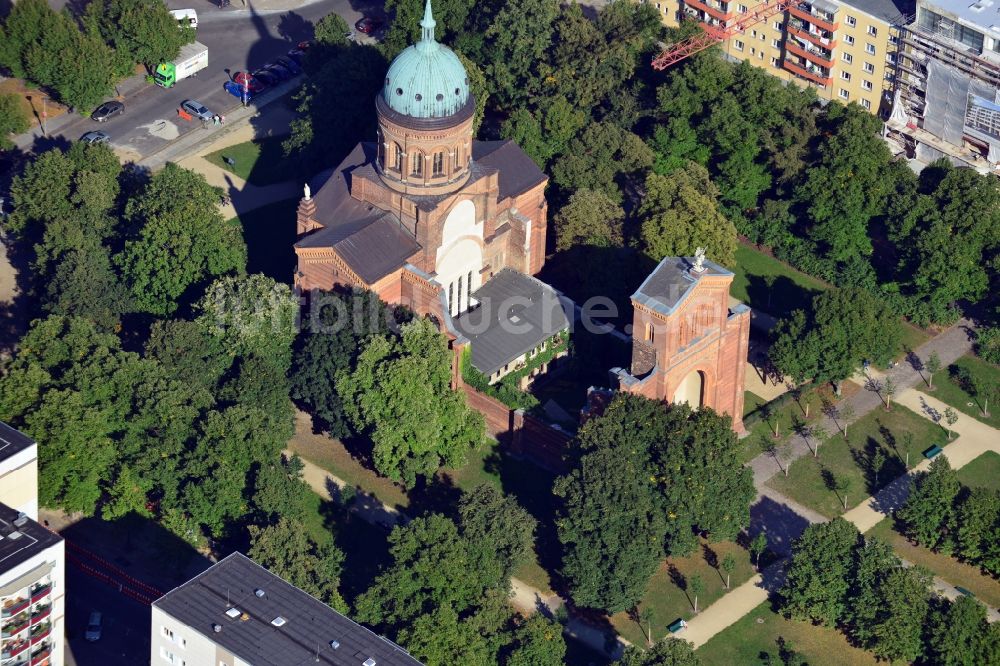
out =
column 32, row 592
column 237, row 613
column 18, row 471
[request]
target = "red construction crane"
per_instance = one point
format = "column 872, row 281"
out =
column 715, row 34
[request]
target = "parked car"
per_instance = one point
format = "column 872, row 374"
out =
column 289, row 64
column 368, row 24
column 246, row 79
column 107, row 111
column 95, row 137
column 298, row 55
column 266, row 77
column 236, row 90
column 304, row 45
column 93, row 632
column 197, row 109
column 283, row 73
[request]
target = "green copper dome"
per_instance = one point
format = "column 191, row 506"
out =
column 426, row 80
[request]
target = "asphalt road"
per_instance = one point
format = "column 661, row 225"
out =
column 237, row 39
column 125, row 623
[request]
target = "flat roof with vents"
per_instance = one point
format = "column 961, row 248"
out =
column 282, row 626
column 12, row 441
column 21, row 538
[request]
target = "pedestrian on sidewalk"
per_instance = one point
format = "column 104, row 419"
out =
column 222, row 120
column 215, row 119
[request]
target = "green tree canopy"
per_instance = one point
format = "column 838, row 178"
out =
column 538, row 641
column 140, row 31
column 400, row 396
column 13, row 119
column 930, row 508
column 589, row 218
column 816, row 585
column 599, row 158
column 668, row 652
column 499, row 530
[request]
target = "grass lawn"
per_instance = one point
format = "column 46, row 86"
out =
column 791, row 289
column 269, row 232
column 811, row 481
column 759, row 631
column 912, row 338
column 985, row 588
column 261, row 161
column 669, row 600
column 947, row 388
column 751, row 401
column 983, row 472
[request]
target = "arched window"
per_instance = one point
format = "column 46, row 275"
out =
column 417, row 168
column 397, row 158
column 457, row 161
column 438, row 165
column 649, row 332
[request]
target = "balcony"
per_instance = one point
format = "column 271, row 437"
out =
column 800, row 70
column 39, row 633
column 41, row 656
column 821, row 21
column 14, row 650
column 15, row 627
column 15, row 607
column 819, row 58
column 40, row 614
column 816, row 38
column 714, row 11
column 39, row 593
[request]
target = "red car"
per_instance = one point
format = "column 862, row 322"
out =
column 247, row 79
column 368, row 25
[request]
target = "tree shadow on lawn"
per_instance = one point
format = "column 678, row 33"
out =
column 777, row 295
column 864, row 458
column 779, row 524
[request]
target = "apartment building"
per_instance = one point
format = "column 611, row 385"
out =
column 18, row 471
column 845, row 50
column 237, row 613
column 32, row 592
column 948, row 99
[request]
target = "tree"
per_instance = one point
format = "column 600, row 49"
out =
column 933, row 365
column 978, row 520
column 140, row 32
column 544, row 134
column 846, row 415
column 599, row 159
column 538, row 641
column 646, row 618
column 589, row 218
column 13, row 119
column 286, row 550
column 697, row 587
column 680, row 213
column 843, row 484
column 189, row 353
column 668, row 652
column 757, row 547
column 479, row 89
column 610, row 523
column 450, row 17
column 728, row 565
column 903, row 607
column 816, row 585
column 518, row 38
column 874, row 561
column 500, row 532
column 400, row 396
column 951, row 417
column 988, row 344
column 930, row 506
column 177, row 240
column 958, row 633
column 331, row 30
column 877, row 463
column 251, row 314
column 889, row 388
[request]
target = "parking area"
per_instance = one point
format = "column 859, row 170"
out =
column 125, row 625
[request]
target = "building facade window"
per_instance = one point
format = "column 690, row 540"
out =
column 844, row 94
column 460, row 294
column 738, row 45
column 438, row 164
column 469, row 300
column 847, row 57
column 774, row 61
column 397, row 157
column 848, row 39
column 870, row 49
column 846, row 76
column 866, row 104
column 869, row 68
column 867, row 85
column 872, row 30
column 850, row 20
column 775, row 43
column 451, row 296
column 777, row 25
column 417, row 166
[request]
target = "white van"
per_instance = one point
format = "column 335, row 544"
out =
column 185, row 17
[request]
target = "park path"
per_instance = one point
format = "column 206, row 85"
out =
column 974, row 438
column 524, row 597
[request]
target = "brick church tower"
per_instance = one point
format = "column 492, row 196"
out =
column 688, row 343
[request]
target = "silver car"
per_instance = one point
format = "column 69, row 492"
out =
column 95, row 137
column 93, row 632
column 197, row 109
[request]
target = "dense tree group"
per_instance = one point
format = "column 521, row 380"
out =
column 837, row 577
column 943, row 515
column 645, row 480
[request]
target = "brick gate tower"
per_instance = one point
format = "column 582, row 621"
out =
column 688, row 343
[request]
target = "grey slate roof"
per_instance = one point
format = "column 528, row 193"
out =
column 890, row 11
column 522, row 312
column 518, row 172
column 669, row 283
column 33, row 539
column 12, row 441
column 309, row 624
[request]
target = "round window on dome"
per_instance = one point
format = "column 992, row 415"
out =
column 387, row 80
column 457, row 92
column 439, row 97
column 418, row 97
column 399, row 91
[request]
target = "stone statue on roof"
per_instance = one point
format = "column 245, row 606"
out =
column 307, row 192
column 699, row 260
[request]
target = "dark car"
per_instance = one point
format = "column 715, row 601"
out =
column 298, row 55
column 107, row 111
column 247, row 79
column 95, row 137
column 289, row 64
column 368, row 24
column 236, row 90
column 266, row 77
column 304, row 45
column 282, row 73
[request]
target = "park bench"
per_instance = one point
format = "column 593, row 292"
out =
column 933, row 451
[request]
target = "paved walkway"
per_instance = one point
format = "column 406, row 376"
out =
column 524, row 597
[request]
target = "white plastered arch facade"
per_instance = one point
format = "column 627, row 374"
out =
column 691, row 390
column 459, row 260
